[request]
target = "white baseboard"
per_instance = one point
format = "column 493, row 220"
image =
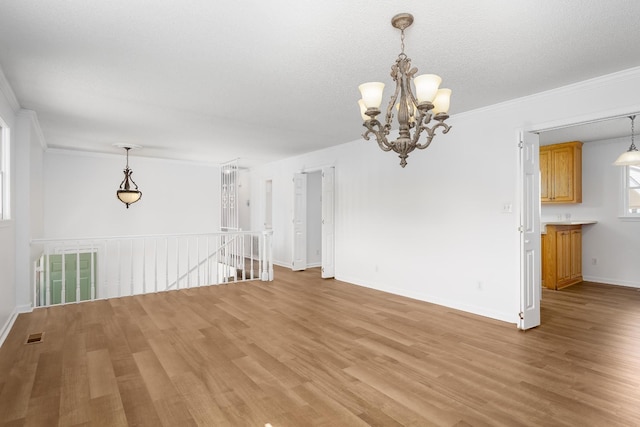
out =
column 480, row 311
column 6, row 328
column 282, row 264
column 608, row 281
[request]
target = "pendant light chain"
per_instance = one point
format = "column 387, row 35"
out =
column 633, row 145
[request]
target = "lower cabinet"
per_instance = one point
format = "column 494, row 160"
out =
column 561, row 256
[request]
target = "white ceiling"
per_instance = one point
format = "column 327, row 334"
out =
column 260, row 80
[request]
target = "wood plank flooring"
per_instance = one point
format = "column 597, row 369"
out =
column 302, row 351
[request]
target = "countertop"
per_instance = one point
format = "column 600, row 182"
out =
column 543, row 229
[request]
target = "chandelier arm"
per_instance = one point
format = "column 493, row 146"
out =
column 380, row 134
column 431, row 133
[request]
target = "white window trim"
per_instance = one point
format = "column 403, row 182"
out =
column 624, row 214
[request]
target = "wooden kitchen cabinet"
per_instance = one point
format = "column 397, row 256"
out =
column 561, row 173
column 562, row 256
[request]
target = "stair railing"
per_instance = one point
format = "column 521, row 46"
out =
column 74, row 270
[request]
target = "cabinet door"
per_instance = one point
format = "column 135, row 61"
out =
column 562, row 171
column 545, row 175
column 576, row 254
column 563, row 257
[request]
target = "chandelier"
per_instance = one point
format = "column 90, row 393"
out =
column 415, row 112
column 126, row 194
column 632, row 155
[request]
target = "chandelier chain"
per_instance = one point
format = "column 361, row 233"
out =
column 402, row 41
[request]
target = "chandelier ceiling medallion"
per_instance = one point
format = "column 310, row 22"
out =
column 128, row 192
column 632, row 155
column 415, row 112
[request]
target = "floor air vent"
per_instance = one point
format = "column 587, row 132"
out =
column 35, row 338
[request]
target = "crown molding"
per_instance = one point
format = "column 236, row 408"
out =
column 6, row 89
column 619, row 76
column 105, row 155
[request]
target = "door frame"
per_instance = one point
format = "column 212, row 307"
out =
column 546, row 127
column 321, row 168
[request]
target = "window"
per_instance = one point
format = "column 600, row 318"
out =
column 4, row 172
column 631, row 196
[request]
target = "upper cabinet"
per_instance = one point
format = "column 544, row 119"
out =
column 561, row 173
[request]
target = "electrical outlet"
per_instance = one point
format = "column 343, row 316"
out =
column 480, row 285
column 594, row 261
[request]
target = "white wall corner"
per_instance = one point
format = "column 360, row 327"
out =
column 35, row 125
column 6, row 89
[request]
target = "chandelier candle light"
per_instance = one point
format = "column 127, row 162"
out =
column 414, row 112
column 126, row 194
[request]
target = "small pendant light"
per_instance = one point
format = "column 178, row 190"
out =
column 126, row 194
column 632, row 155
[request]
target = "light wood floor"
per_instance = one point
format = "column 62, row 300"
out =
column 303, row 351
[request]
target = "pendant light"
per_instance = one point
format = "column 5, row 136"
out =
column 632, row 155
column 127, row 194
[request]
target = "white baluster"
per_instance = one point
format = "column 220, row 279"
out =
column 78, row 272
column 63, row 286
column 155, row 265
column 208, row 263
column 166, row 263
column 177, row 263
column 119, row 271
column 144, row 265
column 48, row 278
column 105, row 271
column 188, row 262
column 198, row 258
column 93, row 253
column 131, row 278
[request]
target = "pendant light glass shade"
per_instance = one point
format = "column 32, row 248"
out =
column 371, row 94
column 129, row 196
column 426, row 87
column 632, row 155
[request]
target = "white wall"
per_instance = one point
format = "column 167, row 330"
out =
column 435, row 230
column 614, row 243
column 28, row 197
column 8, row 305
column 80, row 196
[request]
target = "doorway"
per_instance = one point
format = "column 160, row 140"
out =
column 313, row 221
column 581, row 129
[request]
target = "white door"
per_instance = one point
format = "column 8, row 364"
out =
column 299, row 222
column 530, row 280
column 328, row 225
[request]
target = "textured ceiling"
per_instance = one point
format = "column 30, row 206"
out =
column 256, row 80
